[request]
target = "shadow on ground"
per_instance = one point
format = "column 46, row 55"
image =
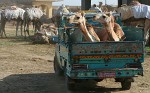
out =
column 21, row 38
column 17, row 39
column 30, row 40
column 44, row 83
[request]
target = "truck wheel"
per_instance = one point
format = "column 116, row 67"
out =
column 126, row 85
column 70, row 83
column 57, row 69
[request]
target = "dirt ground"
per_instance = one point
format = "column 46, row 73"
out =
column 28, row 68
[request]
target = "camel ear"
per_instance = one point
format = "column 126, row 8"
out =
column 111, row 12
column 83, row 13
column 108, row 14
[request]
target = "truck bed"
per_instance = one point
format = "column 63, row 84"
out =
column 112, row 49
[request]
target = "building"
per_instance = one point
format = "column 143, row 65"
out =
column 45, row 5
column 85, row 4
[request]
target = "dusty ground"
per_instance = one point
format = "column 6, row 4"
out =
column 28, row 68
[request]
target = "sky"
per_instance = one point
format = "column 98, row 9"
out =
column 78, row 2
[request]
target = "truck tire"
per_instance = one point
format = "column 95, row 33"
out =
column 126, row 85
column 70, row 83
column 57, row 69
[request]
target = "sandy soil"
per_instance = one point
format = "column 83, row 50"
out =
column 28, row 68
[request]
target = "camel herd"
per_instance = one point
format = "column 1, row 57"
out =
column 22, row 18
column 111, row 31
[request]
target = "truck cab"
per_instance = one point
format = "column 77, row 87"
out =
column 79, row 60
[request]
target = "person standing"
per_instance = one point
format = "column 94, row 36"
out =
column 95, row 8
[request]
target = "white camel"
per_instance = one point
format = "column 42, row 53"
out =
column 32, row 15
column 12, row 13
column 138, row 13
column 57, row 15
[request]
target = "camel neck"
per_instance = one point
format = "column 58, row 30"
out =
column 108, row 26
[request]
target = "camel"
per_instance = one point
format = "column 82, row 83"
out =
column 87, row 31
column 45, row 34
column 12, row 13
column 134, row 18
column 62, row 9
column 106, row 8
column 57, row 15
column 32, row 15
column 111, row 31
column 50, row 29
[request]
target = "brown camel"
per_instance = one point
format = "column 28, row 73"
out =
column 88, row 31
column 111, row 31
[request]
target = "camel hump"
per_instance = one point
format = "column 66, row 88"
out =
column 13, row 7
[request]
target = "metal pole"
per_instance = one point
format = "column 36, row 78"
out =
column 119, row 3
column 85, row 4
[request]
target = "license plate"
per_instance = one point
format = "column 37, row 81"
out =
column 106, row 74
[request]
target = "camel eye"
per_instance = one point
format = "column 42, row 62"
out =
column 104, row 16
column 78, row 17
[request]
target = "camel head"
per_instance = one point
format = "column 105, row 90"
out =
column 125, row 12
column 103, row 18
column 106, row 19
column 62, row 9
column 77, row 18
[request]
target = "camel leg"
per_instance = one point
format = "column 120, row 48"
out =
column 37, row 25
column 85, row 32
column 119, row 32
column 146, row 29
column 3, row 28
column 3, row 23
column 111, row 33
column 0, row 30
column 25, row 24
column 33, row 24
column 17, row 27
column 21, row 26
column 93, row 33
column 27, row 30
